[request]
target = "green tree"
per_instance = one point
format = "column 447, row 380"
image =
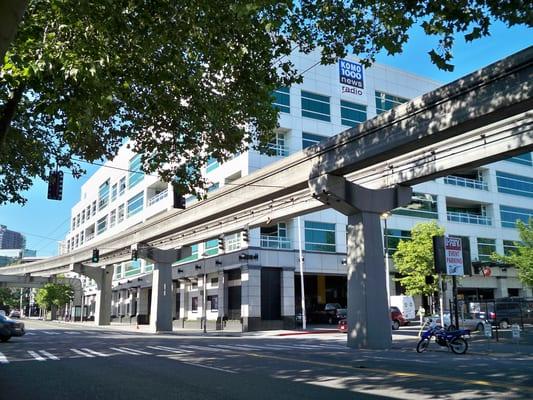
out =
column 187, row 80
column 522, row 257
column 9, row 298
column 414, row 259
column 54, row 295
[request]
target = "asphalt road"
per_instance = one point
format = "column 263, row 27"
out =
column 55, row 361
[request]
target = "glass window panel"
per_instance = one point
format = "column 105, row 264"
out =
column 211, row 247
column 101, row 225
column 514, row 184
column 352, row 114
column 385, row 102
column 135, row 204
column 310, row 139
column 524, row 159
column 103, row 195
column 485, row 247
column 509, row 215
column 282, row 100
column 319, row 236
column 135, row 175
column 315, row 106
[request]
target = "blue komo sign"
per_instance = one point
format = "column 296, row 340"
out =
column 351, row 74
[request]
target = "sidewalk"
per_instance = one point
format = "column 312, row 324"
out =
column 403, row 340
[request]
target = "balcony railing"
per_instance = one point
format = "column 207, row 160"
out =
column 275, row 242
column 89, row 236
column 158, row 197
column 467, row 218
column 466, row 182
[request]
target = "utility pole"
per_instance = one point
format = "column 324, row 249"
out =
column 301, row 258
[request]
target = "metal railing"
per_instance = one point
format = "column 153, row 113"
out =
column 158, row 197
column 279, row 150
column 88, row 237
column 275, row 242
column 466, row 182
column 467, row 218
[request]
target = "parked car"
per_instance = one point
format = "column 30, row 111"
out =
column 14, row 314
column 472, row 322
column 512, row 310
column 329, row 313
column 9, row 328
column 396, row 316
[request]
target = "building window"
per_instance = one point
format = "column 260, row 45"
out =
column 132, row 268
column 214, row 282
column 509, row 215
column 485, row 247
column 88, row 212
column 352, row 114
column 385, row 102
column 82, row 216
column 101, row 225
column 73, row 224
column 135, row 204
column 193, row 256
column 277, row 145
column 524, row 159
column 118, row 271
column 122, row 186
column 319, row 236
column 393, row 237
column 135, row 175
column 112, row 218
column 213, row 187
column 275, row 236
column 211, row 247
column 309, row 139
column 282, row 100
column 103, row 195
column 214, row 302
column 422, row 205
column 233, row 241
column 120, row 213
column 93, row 210
column 194, row 304
column 82, row 236
column 514, row 184
column 114, row 192
column 509, row 247
column 315, row 106
column 212, row 164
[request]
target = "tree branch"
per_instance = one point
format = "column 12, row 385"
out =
column 8, row 113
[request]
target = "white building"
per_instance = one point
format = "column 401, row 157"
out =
column 264, row 292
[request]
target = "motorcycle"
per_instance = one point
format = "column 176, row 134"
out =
column 454, row 340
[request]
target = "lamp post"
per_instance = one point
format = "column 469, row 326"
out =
column 385, row 216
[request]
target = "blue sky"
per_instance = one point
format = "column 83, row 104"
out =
column 44, row 222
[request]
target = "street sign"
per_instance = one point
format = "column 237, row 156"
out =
column 453, row 251
column 515, row 330
column 487, row 329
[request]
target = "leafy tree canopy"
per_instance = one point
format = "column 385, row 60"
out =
column 54, row 294
column 522, row 257
column 190, row 79
column 9, row 297
column 414, row 259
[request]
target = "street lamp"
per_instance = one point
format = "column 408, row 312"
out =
column 384, row 217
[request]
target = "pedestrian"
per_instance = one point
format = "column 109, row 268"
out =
column 421, row 313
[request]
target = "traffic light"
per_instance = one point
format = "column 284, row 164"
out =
column 96, row 256
column 221, row 246
column 134, row 254
column 55, row 185
column 476, row 266
column 178, row 198
column 245, row 236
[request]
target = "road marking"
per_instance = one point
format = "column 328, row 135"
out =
column 72, row 333
column 137, row 351
column 3, row 359
column 162, row 348
column 81, row 353
column 402, row 374
column 209, row 367
column 49, row 355
column 36, row 356
column 201, row 348
column 96, row 353
column 50, row 333
column 124, row 351
column 174, row 348
column 30, row 333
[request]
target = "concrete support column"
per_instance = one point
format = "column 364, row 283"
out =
column 501, row 289
column 161, row 311
column 184, row 302
column 368, row 314
column 369, row 323
column 221, row 291
column 250, row 297
column 287, row 298
column 103, row 278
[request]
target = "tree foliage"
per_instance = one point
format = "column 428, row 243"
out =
column 522, row 257
column 54, row 294
column 414, row 259
column 187, row 80
column 9, row 297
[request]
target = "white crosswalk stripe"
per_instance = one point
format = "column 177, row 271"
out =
column 72, row 333
column 172, row 350
column 50, row 333
column 37, row 356
column 81, row 353
column 3, row 359
column 49, row 355
column 137, row 351
column 191, row 346
column 120, row 350
column 96, row 353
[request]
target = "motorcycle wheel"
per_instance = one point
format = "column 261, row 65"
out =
column 422, row 345
column 459, row 345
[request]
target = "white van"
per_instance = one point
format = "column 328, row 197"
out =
column 406, row 304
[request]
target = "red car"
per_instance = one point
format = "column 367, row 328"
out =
column 396, row 317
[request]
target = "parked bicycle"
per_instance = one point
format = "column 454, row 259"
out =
column 454, row 340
